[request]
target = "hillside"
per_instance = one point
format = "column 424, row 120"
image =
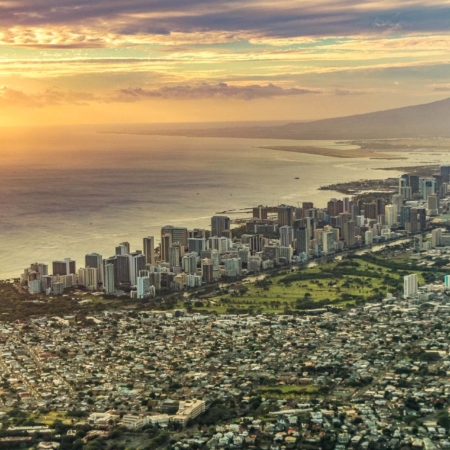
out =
column 427, row 120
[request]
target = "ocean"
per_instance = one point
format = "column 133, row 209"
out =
column 65, row 192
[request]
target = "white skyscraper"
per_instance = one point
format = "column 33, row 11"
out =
column 390, row 212
column 109, row 279
column 328, row 240
column 410, row 285
column 427, row 187
column 436, row 237
column 82, row 276
column 95, row 260
column 144, row 286
column 189, row 263
column 368, row 237
column 92, row 277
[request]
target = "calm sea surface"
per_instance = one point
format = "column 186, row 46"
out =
column 67, row 192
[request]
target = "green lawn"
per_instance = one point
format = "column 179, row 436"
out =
column 288, row 391
column 337, row 283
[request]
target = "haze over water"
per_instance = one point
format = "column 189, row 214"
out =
column 67, row 192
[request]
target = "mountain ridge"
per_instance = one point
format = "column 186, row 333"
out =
column 427, row 120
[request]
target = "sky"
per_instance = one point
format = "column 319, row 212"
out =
column 140, row 61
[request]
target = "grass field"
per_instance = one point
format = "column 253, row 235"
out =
column 288, row 391
column 50, row 417
column 338, row 283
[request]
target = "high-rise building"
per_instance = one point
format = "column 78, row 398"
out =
column 166, row 243
column 397, row 199
column 189, row 263
column 64, row 267
column 368, row 237
column 422, row 218
column 391, row 214
column 137, row 263
column 346, row 204
column 155, row 279
column 81, row 276
column 406, row 192
column 174, row 254
column 328, row 242
column 260, row 212
column 285, row 215
column 178, row 234
column 335, row 207
column 127, row 247
column 144, row 287
column 219, row 224
column 439, row 181
column 301, row 236
column 121, row 250
column 436, row 235
column 414, row 183
column 410, row 285
column 349, row 233
column 405, row 215
column 427, row 187
column 413, row 224
column 96, row 261
column 232, row 267
column 109, row 279
column 196, row 245
column 149, row 249
column 380, row 206
column 286, row 236
column 403, row 182
column 91, row 277
column 34, row 287
column 445, row 172
column 307, row 206
column 370, row 210
column 41, row 269
column 433, row 205
column 207, row 271
column 121, row 264
column 253, row 241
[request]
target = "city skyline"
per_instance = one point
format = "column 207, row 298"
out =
column 272, row 238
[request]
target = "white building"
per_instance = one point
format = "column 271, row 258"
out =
column 109, row 279
column 328, row 240
column 390, row 212
column 189, row 409
column 189, row 263
column 92, row 277
column 143, row 286
column 410, row 285
column 436, row 237
column 368, row 237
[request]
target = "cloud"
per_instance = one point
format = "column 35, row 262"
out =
column 205, row 90
column 57, row 97
column 13, row 97
column 50, row 97
column 100, row 23
column 346, row 92
column 442, row 89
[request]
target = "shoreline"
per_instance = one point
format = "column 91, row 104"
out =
column 334, row 153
